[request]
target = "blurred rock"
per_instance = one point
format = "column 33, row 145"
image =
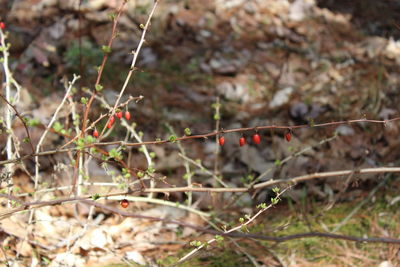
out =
column 386, row 113
column 233, row 91
column 298, row 110
column 252, row 158
column 281, row 97
column 345, row 130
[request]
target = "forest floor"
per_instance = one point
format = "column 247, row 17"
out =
column 267, row 63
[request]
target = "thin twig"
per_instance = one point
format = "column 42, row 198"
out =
column 241, row 225
column 103, row 63
column 200, row 136
column 202, row 168
column 230, row 233
column 188, row 172
column 146, row 153
column 282, row 127
column 22, row 120
column 217, row 117
column 48, row 127
column 135, row 57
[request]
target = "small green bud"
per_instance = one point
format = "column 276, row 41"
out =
column 84, row 100
column 151, row 169
column 275, row 190
column 188, row 131
column 106, row 49
column 99, row 87
column 172, row 138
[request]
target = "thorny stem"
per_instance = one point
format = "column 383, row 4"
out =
column 80, row 158
column 290, row 181
column 183, row 224
column 238, row 227
column 203, row 136
column 103, row 63
column 135, row 56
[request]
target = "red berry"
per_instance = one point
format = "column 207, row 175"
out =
column 2, row 25
column 221, row 141
column 288, row 136
column 242, row 141
column 124, row 203
column 110, row 122
column 127, row 115
column 95, row 133
column 119, row 114
column 256, row 139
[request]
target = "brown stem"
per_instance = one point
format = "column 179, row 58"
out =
column 22, row 120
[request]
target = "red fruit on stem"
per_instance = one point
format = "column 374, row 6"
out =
column 288, row 136
column 124, row 203
column 2, row 25
column 256, row 139
column 242, row 141
column 127, row 115
column 110, row 122
column 119, row 114
column 95, row 133
column 221, row 141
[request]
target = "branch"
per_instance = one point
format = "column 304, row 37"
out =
column 270, row 183
column 207, row 135
column 21, row 119
column 86, row 200
column 200, row 136
column 103, row 63
column 135, row 56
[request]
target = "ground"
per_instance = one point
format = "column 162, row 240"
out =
column 265, row 63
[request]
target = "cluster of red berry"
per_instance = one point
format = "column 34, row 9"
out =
column 112, row 119
column 256, row 139
column 2, row 25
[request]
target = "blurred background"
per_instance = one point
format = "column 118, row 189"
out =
column 267, row 62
